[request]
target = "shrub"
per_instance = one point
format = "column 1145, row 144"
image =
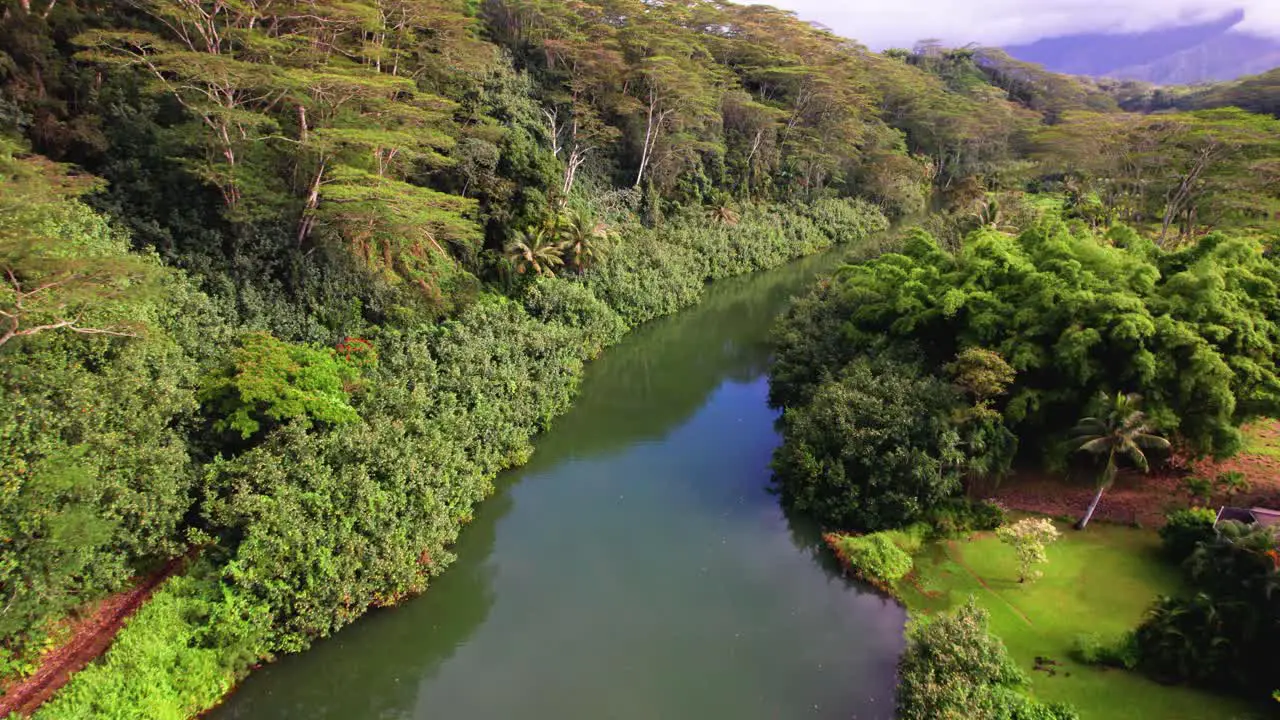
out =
column 96, row 468
column 954, row 669
column 1186, row 529
column 95, row 472
column 1232, row 482
column 177, row 656
column 320, row 524
column 653, row 272
column 1018, row 706
column 271, row 381
column 1225, row 635
column 845, row 219
column 643, row 278
column 1199, row 489
column 1121, row 652
column 572, row 304
column 875, row 557
column 960, row 515
column 910, row 538
column 1188, row 640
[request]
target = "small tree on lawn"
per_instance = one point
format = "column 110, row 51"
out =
column 1030, row 538
column 1120, row 432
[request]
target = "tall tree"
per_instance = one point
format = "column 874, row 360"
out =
column 672, row 90
column 60, row 270
column 205, row 60
column 1177, row 170
column 1120, row 433
column 328, row 99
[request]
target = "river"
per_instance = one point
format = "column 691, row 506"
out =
column 637, row 567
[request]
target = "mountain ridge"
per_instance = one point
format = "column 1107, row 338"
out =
column 1212, row 51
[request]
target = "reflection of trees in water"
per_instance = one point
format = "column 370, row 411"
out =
column 373, row 668
column 660, row 375
column 806, row 536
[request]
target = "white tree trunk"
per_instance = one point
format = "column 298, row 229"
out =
column 1088, row 515
column 649, row 132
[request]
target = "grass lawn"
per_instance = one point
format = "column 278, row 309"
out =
column 1097, row 581
column 1262, row 438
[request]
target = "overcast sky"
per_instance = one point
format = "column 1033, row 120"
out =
column 899, row 23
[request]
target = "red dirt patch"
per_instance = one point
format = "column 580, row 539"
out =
column 1133, row 499
column 1138, row 498
column 89, row 638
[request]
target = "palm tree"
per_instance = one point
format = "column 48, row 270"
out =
column 989, row 215
column 723, row 213
column 533, row 250
column 581, row 236
column 1120, row 433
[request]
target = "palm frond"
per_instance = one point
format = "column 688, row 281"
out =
column 1146, row 441
column 1097, row 445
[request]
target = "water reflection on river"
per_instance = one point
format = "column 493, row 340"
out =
column 636, row 568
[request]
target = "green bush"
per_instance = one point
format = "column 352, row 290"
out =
column 960, row 515
column 177, row 656
column 875, row 557
column 644, row 277
column 954, row 669
column 1186, row 529
column 1015, row 705
column 572, row 304
column 910, row 538
column 321, row 525
column 1122, row 652
column 1224, row 636
column 654, row 272
column 270, row 381
column 96, row 472
column 845, row 220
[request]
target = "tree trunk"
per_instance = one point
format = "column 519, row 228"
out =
column 308, row 219
column 1088, row 515
column 648, row 133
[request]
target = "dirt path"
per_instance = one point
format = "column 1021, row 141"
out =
column 957, row 555
column 90, row 637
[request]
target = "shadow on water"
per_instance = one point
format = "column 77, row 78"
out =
column 372, row 669
column 638, row 567
column 664, row 371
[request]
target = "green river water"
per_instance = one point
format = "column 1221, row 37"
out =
column 636, row 568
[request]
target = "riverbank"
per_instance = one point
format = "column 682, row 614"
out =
column 564, row 602
column 236, row 622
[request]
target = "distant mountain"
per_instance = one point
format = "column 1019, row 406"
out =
column 1206, row 52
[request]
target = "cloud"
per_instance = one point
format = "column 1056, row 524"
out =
column 890, row 23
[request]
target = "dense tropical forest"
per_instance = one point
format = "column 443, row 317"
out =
column 1113, row 309
column 286, row 283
